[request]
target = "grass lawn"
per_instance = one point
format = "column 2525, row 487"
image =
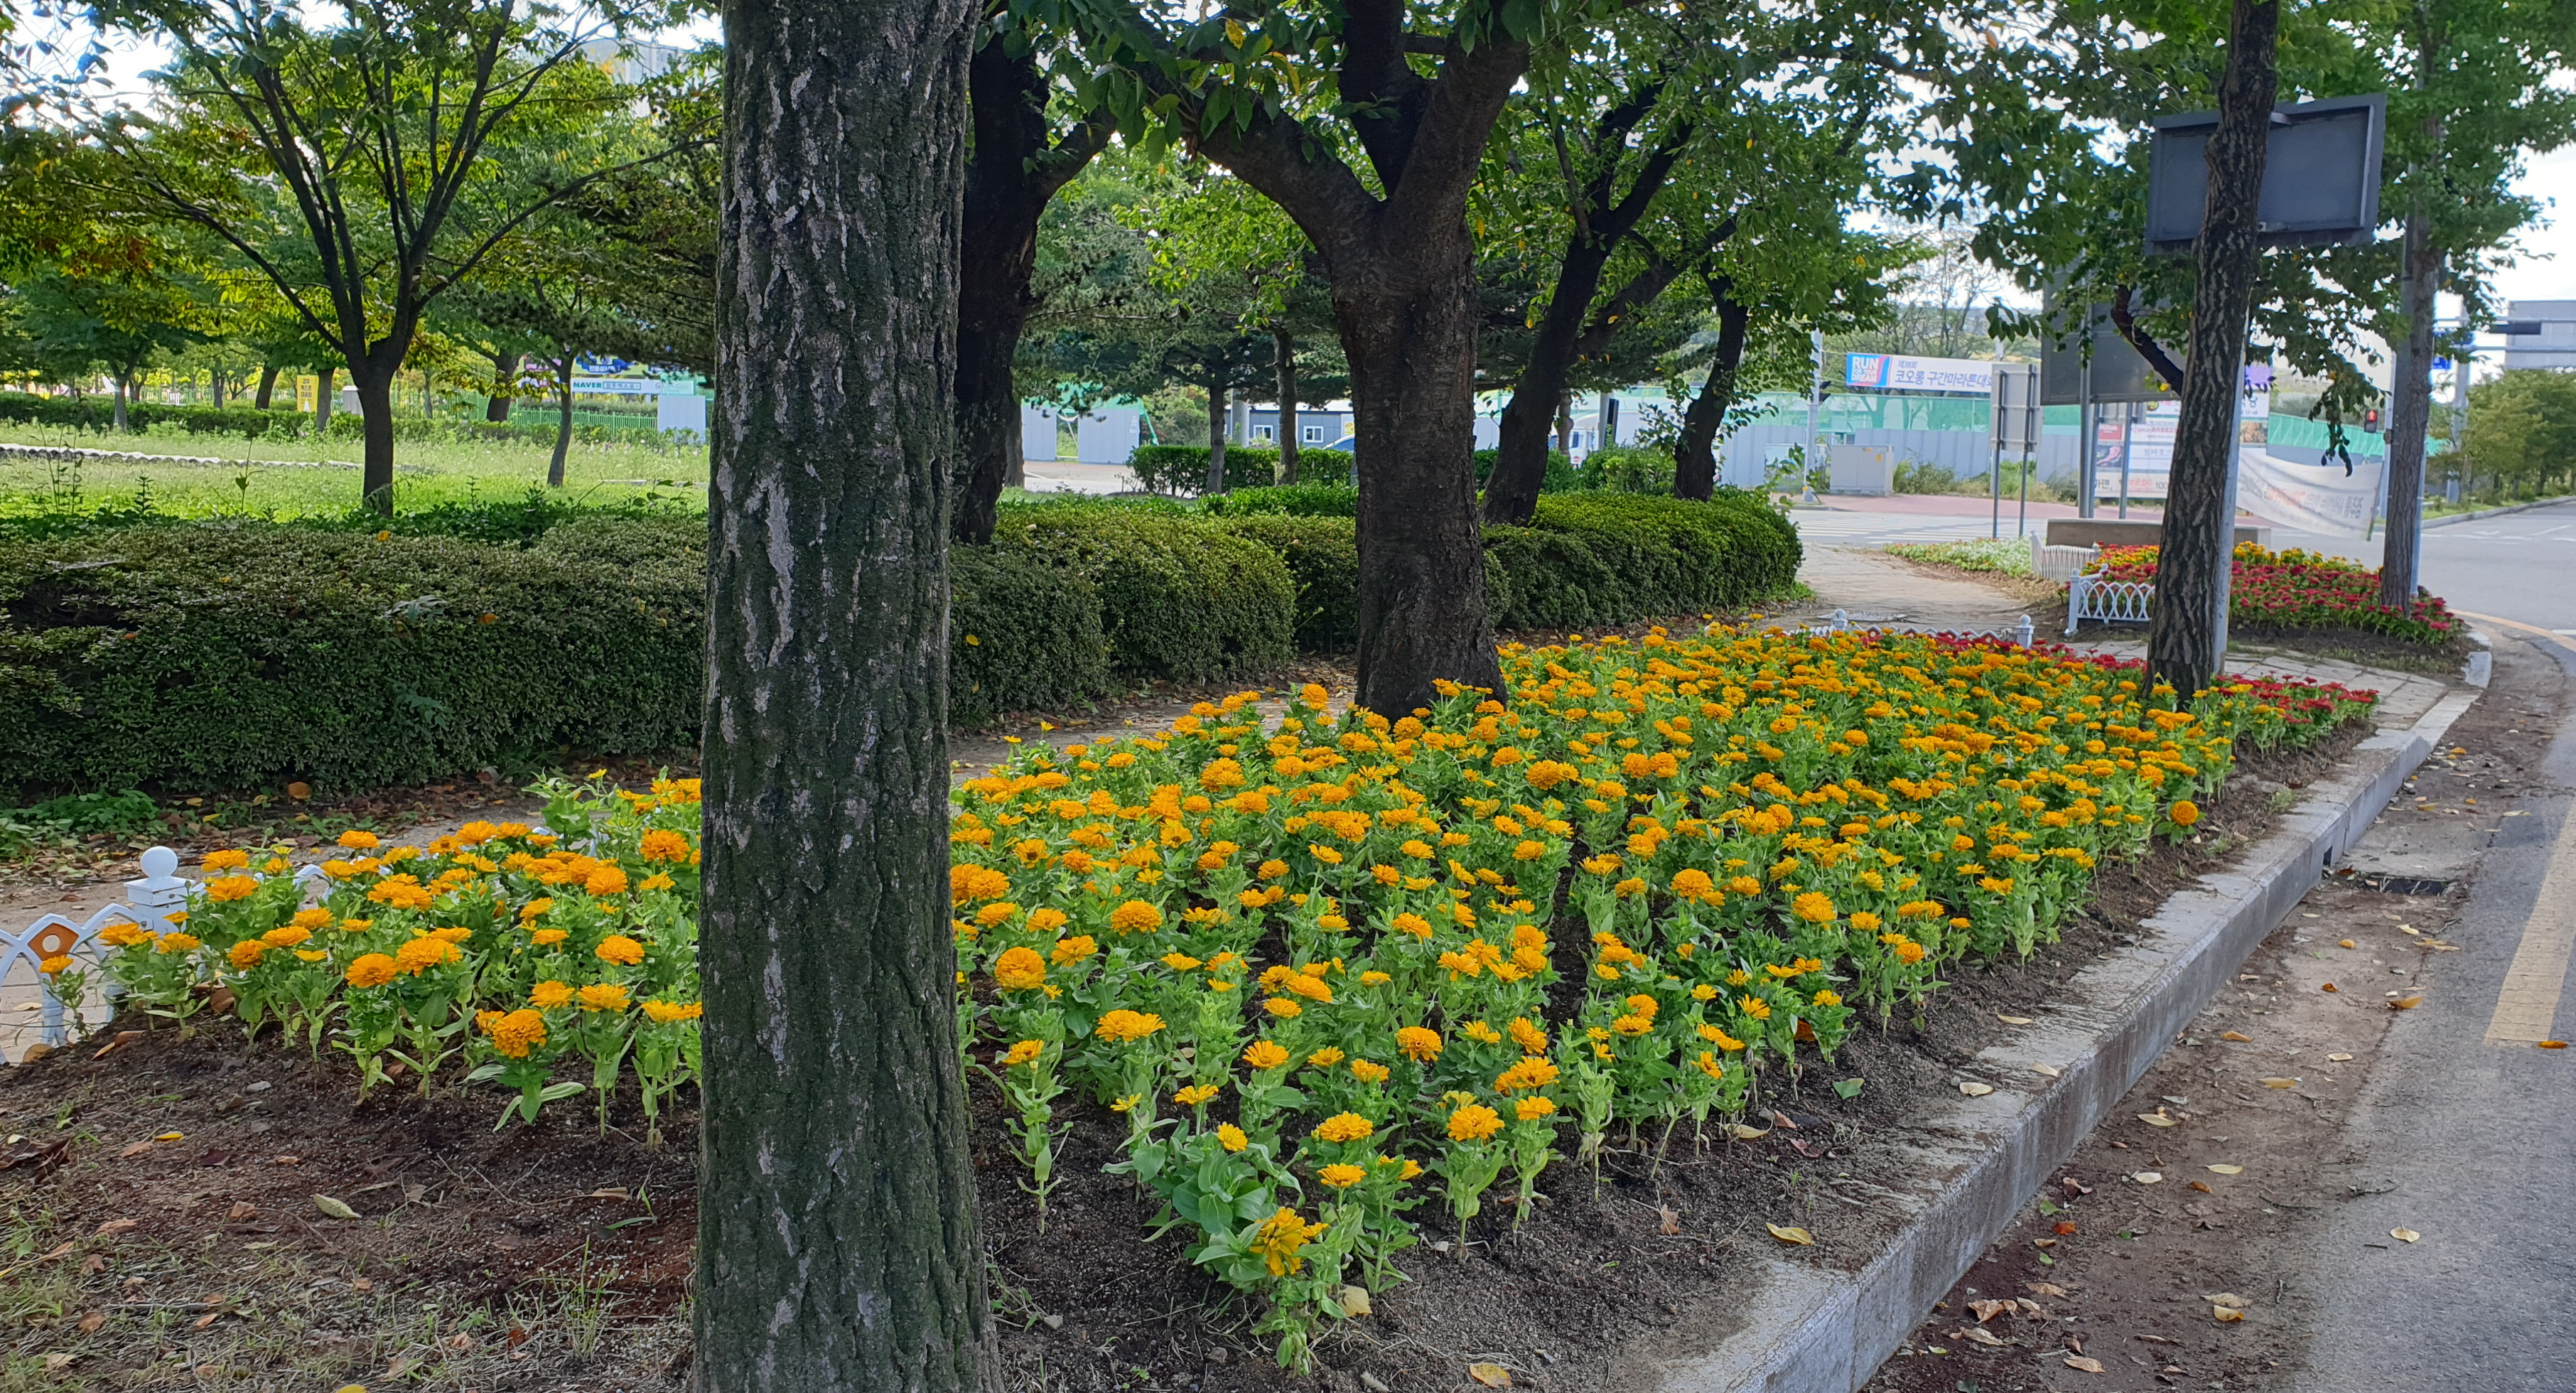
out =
column 288, row 478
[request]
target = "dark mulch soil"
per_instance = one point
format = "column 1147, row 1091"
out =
column 557, row 1257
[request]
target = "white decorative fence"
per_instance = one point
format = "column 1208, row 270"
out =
column 2058, row 563
column 148, row 902
column 2106, row 601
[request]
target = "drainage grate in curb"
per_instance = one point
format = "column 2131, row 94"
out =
column 2400, row 884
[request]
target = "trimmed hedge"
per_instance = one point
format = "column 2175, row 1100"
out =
column 1182, row 469
column 1289, row 500
column 1181, row 598
column 241, row 653
column 97, row 413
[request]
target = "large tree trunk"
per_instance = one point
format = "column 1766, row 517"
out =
column 1695, row 452
column 1216, row 430
column 505, row 370
column 124, row 392
column 323, row 396
column 1283, row 352
column 1520, row 454
column 2409, row 416
column 267, row 385
column 2186, row 636
column 215, row 380
column 1422, row 615
column 836, row 1199
column 563, row 426
column 1013, row 174
column 376, row 428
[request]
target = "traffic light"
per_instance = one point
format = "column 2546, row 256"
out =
column 2370, row 420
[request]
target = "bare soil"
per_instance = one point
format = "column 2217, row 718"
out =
column 556, row 1256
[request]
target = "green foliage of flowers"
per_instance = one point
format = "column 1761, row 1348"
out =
column 2011, row 558
column 2298, row 591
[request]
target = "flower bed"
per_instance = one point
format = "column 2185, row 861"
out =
column 1334, row 976
column 2293, row 591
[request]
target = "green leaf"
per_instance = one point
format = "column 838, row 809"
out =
column 1848, row 1088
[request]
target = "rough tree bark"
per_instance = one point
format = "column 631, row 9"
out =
column 1403, row 273
column 563, row 425
column 505, row 370
column 836, row 1202
column 2184, row 645
column 124, row 382
column 1016, row 168
column 376, row 433
column 1215, row 482
column 1283, row 349
column 1695, row 452
column 2409, row 415
column 267, row 385
column 1570, row 325
column 324, row 398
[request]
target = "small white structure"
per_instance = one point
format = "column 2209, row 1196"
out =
column 681, row 409
column 1862, row 469
column 1108, row 434
column 1037, row 432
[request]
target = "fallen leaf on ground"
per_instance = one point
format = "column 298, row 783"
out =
column 2227, row 1299
column 2406, row 1003
column 2050, row 1070
column 1976, row 1090
column 1672, row 1219
column 208, row 1318
column 1988, row 1310
column 123, row 1039
column 2232, row 1035
column 2410, row 929
column 2148, row 1177
column 1741, row 1132
column 333, row 1208
column 2045, row 1289
column 2404, row 1235
column 1490, row 1375
column 2340, row 1057
column 56, row 1363
column 2328, row 987
column 2346, row 943
column 2063, row 1227
column 2085, row 1362
column 2227, row 1170
column 2553, row 1044
column 2203, row 1187
column 114, row 1226
column 1781, row 1121
column 2157, row 1119
column 2280, row 1083
column 171, row 1136
column 90, row 1324
column 1979, row 1335
column 612, row 1192
column 1354, row 1301
column 2226, row 1315
column 133, row 1151
column 2012, row 1020
column 242, row 1209
column 400, row 1366
column 2075, row 1186
column 1791, row 1233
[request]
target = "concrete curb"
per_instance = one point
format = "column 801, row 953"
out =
column 2500, row 512
column 1806, row 1328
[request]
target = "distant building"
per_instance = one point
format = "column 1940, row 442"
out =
column 2554, row 346
column 1318, row 427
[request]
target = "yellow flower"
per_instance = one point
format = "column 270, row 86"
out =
column 1069, row 951
column 1341, row 1176
column 550, row 994
column 1180, row 962
column 356, row 840
column 1418, row 1044
column 664, row 1012
column 124, row 935
column 1343, row 1127
column 547, row 938
column 227, row 860
column 1533, row 1108
column 1196, row 1094
column 1813, row 907
column 1025, row 1052
column 1756, row 1007
column 1265, row 1054
column 245, row 955
column 286, row 936
column 607, row 880
column 1231, row 1137
column 2184, row 813
column 1829, row 997
column 618, row 948
column 421, row 954
column 661, row 844
column 371, row 970
column 1531, row 1072
column 1324, row 1058
column 1122, row 1026
column 514, row 1033
column 603, row 996
column 1474, row 1122
column 1367, row 1071
column 231, row 887
column 56, row 965
column 1128, row 1103
column 1281, row 1237
column 1135, row 917
column 1283, row 1008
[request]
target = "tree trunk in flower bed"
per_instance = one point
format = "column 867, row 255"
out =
column 2183, row 644
column 836, row 1237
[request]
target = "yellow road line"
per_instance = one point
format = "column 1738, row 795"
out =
column 2532, row 629
column 2527, row 1005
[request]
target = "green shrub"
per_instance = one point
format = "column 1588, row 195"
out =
column 1627, row 469
column 1289, row 500
column 1022, row 635
column 1182, row 469
column 1560, row 477
column 1610, row 558
column 98, row 413
column 242, row 653
column 1181, row 598
column 1322, row 554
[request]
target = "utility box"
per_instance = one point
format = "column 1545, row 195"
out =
column 1108, row 434
column 1862, row 469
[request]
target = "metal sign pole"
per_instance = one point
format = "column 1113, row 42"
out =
column 2128, row 447
column 2088, row 463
